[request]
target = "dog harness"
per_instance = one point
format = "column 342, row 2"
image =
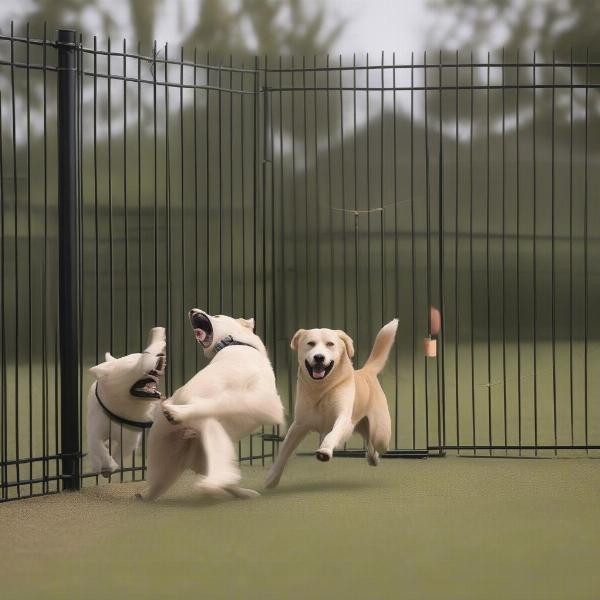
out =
column 229, row 341
column 121, row 420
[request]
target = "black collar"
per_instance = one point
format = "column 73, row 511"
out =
column 122, row 420
column 229, row 341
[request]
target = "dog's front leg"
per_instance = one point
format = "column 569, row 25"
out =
column 342, row 430
column 102, row 462
column 98, row 432
column 296, row 433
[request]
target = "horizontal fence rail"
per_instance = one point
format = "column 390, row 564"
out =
column 319, row 191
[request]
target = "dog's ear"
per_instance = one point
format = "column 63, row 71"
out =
column 347, row 342
column 294, row 341
column 101, row 370
column 109, row 357
column 249, row 323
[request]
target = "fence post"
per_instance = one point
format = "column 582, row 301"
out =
column 67, row 258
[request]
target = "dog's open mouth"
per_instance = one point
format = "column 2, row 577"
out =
column 202, row 328
column 147, row 387
column 318, row 371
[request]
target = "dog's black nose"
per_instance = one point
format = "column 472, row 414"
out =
column 319, row 358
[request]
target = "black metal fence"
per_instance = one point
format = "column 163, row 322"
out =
column 465, row 184
column 304, row 192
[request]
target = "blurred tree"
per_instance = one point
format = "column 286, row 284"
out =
column 560, row 31
column 520, row 24
column 222, row 27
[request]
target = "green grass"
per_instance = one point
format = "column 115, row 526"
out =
column 437, row 528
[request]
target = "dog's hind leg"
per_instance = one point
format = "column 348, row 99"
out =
column 363, row 428
column 168, row 454
column 380, row 425
column 222, row 470
column 126, row 442
column 102, row 462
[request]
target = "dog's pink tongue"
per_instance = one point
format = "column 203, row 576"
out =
column 318, row 374
column 200, row 334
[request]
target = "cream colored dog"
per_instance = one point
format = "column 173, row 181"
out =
column 334, row 399
column 227, row 400
column 121, row 402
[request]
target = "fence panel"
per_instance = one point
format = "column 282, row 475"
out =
column 30, row 446
column 457, row 183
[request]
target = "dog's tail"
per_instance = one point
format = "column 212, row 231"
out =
column 381, row 348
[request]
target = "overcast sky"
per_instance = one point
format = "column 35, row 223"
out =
column 376, row 25
column 372, row 25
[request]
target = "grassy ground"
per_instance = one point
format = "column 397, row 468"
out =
column 436, row 528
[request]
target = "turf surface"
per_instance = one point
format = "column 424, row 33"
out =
column 435, row 528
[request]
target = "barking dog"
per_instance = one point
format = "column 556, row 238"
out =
column 224, row 402
column 334, row 399
column 123, row 396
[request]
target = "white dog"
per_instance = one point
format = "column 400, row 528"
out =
column 224, row 402
column 334, row 399
column 120, row 402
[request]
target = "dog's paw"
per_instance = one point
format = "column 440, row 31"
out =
column 107, row 470
column 210, row 489
column 324, row 454
column 171, row 412
column 242, row 493
column 373, row 459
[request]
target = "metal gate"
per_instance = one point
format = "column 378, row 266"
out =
column 462, row 184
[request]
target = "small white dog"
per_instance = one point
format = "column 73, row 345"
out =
column 120, row 402
column 334, row 399
column 224, row 402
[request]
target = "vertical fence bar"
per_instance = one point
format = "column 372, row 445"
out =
column 17, row 319
column 29, row 303
column 427, row 243
column 413, row 258
column 571, row 299
column 535, row 278
column 67, row 252
column 456, row 226
column 266, row 159
column 487, row 255
column 3, row 384
column 472, row 295
column 396, row 245
column 504, row 393
column 44, row 311
column 518, row 257
column 441, row 363
column 111, row 286
column 585, row 248
column 553, row 257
